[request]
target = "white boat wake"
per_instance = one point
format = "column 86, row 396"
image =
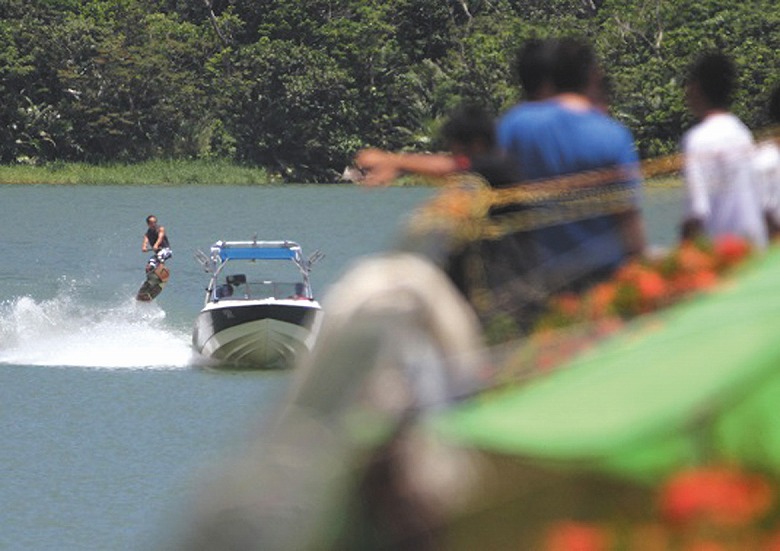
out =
column 65, row 332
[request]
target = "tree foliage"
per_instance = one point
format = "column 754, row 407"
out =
column 297, row 87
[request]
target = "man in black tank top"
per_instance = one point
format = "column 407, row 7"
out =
column 156, row 239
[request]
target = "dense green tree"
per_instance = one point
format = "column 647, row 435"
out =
column 136, row 91
column 289, row 108
column 31, row 124
column 648, row 45
column 297, row 86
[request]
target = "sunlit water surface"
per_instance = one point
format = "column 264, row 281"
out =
column 107, row 414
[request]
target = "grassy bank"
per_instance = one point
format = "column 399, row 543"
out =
column 190, row 172
column 147, row 173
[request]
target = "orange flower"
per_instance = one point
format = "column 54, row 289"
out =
column 576, row 536
column 691, row 258
column 705, row 279
column 568, row 304
column 598, row 302
column 652, row 288
column 641, row 286
column 696, row 281
column 772, row 542
column 731, row 250
column 628, row 272
column 718, row 494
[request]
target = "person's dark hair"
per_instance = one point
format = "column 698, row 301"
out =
column 150, row 217
column 573, row 62
column 533, row 65
column 469, row 125
column 774, row 105
column 716, row 76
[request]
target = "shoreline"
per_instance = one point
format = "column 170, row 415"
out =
column 147, row 173
column 196, row 172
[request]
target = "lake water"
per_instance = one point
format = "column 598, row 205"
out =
column 106, row 413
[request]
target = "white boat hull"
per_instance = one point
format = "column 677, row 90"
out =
column 261, row 334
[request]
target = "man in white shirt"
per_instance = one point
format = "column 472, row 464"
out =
column 723, row 193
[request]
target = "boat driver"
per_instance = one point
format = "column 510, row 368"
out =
column 156, row 239
column 300, row 292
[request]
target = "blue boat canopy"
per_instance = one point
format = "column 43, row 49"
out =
column 256, row 253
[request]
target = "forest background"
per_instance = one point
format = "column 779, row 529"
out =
column 298, row 86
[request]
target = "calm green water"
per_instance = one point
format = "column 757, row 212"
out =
column 106, row 414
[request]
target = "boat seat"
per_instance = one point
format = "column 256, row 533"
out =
column 223, row 291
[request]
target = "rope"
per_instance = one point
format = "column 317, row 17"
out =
column 472, row 218
column 465, row 204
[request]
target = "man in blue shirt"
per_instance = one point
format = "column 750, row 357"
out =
column 587, row 230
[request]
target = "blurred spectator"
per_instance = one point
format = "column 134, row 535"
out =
column 566, row 135
column 723, row 196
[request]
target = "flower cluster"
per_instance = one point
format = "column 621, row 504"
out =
column 715, row 508
column 574, row 323
column 648, row 284
column 720, row 496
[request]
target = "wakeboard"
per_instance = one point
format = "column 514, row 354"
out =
column 153, row 286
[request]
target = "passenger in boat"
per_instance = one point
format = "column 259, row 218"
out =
column 299, row 293
column 566, row 135
column 156, row 239
column 223, row 291
column 722, row 191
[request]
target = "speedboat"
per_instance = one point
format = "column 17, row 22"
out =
column 259, row 310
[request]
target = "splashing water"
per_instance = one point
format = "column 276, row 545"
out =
column 65, row 332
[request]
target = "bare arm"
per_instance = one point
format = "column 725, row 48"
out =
column 160, row 236
column 696, row 174
column 145, row 244
column 382, row 167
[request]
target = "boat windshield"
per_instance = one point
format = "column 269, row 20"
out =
column 234, row 288
column 258, row 279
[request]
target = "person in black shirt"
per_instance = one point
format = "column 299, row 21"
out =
column 156, row 239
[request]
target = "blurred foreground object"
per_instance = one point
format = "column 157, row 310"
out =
column 339, row 469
